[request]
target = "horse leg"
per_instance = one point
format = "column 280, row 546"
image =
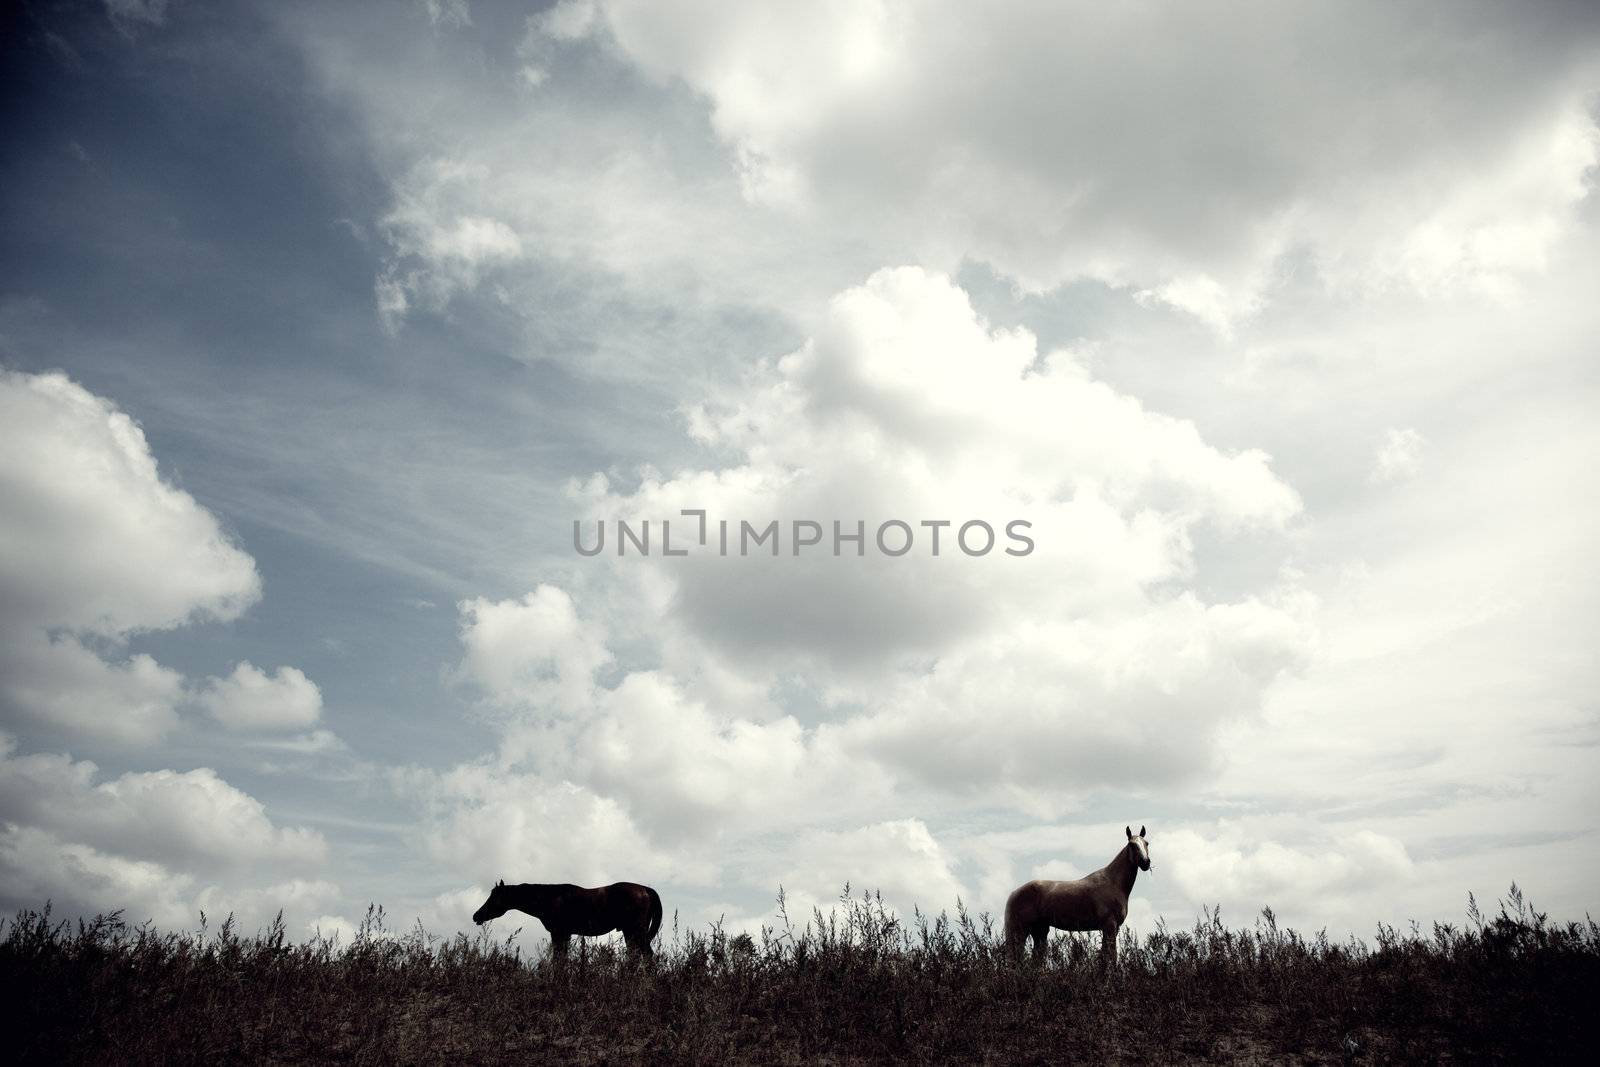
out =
column 639, row 943
column 558, row 945
column 1040, row 932
column 1108, row 943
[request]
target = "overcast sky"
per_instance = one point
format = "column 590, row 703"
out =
column 320, row 325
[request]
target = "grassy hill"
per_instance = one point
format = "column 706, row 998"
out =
column 857, row 985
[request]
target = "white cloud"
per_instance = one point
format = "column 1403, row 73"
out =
column 679, row 769
column 1200, row 163
column 333, row 927
column 98, row 547
column 490, row 824
column 934, row 680
column 37, row 866
column 1083, row 661
column 97, row 541
column 1157, row 147
column 440, row 247
column 441, row 915
column 898, row 859
column 908, row 406
column 687, row 771
column 1072, row 707
column 1244, row 875
column 1108, row 669
column 1208, row 300
column 160, row 844
column 1449, row 706
column 254, row 906
column 1371, row 217
column 64, row 684
column 1398, row 457
column 535, row 650
column 1204, row 164
column 192, row 819
column 250, row 699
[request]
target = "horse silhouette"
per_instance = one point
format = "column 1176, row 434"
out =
column 1097, row 901
column 566, row 909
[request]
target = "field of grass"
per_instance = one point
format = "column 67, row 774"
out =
column 856, row 985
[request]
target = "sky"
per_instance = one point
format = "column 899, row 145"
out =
column 325, row 328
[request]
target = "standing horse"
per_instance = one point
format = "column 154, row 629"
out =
column 1097, row 901
column 565, row 910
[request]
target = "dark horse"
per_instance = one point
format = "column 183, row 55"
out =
column 569, row 909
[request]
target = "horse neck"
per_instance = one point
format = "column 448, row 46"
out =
column 529, row 897
column 1123, row 871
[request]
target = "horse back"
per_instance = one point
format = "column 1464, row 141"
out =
column 624, row 906
column 1081, row 904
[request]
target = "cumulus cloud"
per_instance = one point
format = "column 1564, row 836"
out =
column 688, row 770
column 1084, row 660
column 255, row 905
column 533, row 650
column 442, row 914
column 61, row 682
column 250, row 699
column 490, row 823
column 37, row 866
column 1075, row 707
column 99, row 547
column 908, row 406
column 655, row 717
column 1160, row 147
column 193, row 818
column 1228, row 867
column 898, row 859
column 1353, row 200
column 146, row 842
column 678, row 769
column 97, row 540
column 1197, row 162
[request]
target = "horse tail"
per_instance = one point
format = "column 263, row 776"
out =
column 1016, row 928
column 655, row 916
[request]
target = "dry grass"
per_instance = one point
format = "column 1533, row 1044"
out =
column 856, row 985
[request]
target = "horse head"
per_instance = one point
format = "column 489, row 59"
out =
column 1138, row 848
column 495, row 906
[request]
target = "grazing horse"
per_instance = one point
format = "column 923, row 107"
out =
column 569, row 909
column 1097, row 901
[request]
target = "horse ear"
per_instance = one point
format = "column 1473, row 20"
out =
column 1141, row 830
column 1129, row 829
column 500, row 883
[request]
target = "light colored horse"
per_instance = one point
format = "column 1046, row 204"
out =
column 1097, row 901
